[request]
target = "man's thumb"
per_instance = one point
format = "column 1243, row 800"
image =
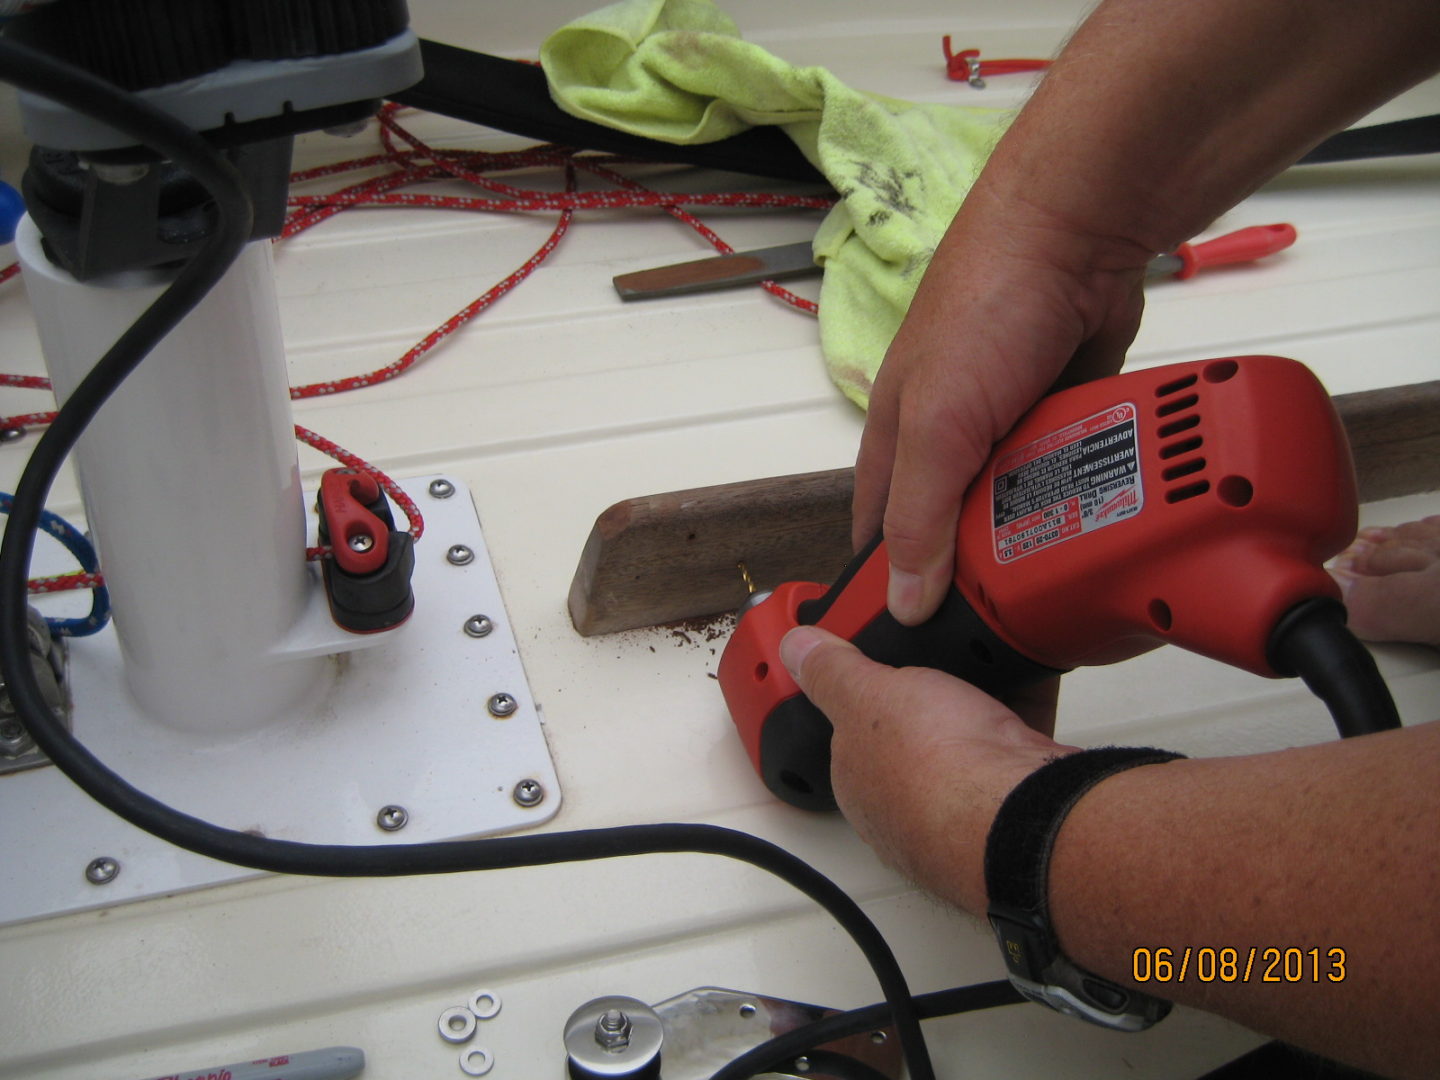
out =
column 828, row 668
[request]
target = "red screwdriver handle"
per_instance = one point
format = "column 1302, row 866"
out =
column 1243, row 245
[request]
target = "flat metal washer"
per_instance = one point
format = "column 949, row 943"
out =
column 485, row 1004
column 470, row 1066
column 457, row 1024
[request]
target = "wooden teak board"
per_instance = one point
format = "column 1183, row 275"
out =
column 676, row 556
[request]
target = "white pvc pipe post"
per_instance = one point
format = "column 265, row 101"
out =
column 191, row 487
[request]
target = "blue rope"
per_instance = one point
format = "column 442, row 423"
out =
column 75, row 543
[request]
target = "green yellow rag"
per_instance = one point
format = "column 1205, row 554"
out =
column 677, row 70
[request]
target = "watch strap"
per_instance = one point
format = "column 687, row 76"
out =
column 1017, row 871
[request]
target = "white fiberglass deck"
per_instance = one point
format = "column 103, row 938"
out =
column 555, row 404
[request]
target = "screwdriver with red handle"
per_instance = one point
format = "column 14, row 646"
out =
column 1241, row 246
column 787, row 261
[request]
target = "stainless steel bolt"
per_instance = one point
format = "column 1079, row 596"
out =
column 528, row 793
column 802, row 1065
column 501, row 705
column 102, row 871
column 612, row 1030
column 460, row 555
column 392, row 818
column 478, row 626
column 441, row 489
column 362, row 542
column 14, row 739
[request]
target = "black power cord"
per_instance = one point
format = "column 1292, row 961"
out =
column 39, row 74
column 1311, row 640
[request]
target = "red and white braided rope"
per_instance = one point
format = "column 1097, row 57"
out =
column 410, row 167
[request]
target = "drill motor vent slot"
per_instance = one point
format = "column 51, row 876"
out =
column 1181, row 402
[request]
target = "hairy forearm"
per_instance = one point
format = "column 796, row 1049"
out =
column 1326, row 847
column 1159, row 115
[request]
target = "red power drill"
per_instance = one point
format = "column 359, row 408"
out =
column 1192, row 504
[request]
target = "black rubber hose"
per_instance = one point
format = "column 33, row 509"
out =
column 513, row 96
column 1312, row 641
column 1418, row 135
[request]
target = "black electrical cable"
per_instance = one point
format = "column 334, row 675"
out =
column 1311, row 640
column 36, row 73
column 777, row 1052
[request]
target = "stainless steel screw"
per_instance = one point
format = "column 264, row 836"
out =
column 460, row 555
column 802, row 1064
column 102, row 871
column 10, row 434
column 502, row 705
column 441, row 489
column 612, row 1030
column 392, row 818
column 362, row 542
column 528, row 793
column 478, row 626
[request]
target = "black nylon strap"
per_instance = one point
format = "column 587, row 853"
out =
column 1017, row 851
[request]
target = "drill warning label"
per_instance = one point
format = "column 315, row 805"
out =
column 1073, row 481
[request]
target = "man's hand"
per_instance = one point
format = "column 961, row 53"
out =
column 920, row 761
column 1003, row 311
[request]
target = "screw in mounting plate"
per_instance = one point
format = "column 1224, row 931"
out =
column 10, row 434
column 478, row 626
column 441, row 489
column 528, row 793
column 361, row 542
column 460, row 555
column 392, row 818
column 501, row 705
column 102, row 871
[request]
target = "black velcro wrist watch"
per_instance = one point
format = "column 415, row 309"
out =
column 1017, row 873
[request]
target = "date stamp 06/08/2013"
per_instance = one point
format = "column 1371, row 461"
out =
column 1254, row 963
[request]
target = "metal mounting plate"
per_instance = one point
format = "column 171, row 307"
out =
column 402, row 722
column 704, row 1029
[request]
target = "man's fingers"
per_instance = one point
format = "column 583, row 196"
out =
column 847, row 686
column 935, row 460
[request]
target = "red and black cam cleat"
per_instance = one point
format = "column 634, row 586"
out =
column 368, row 580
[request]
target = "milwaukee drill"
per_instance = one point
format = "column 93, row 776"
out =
column 1193, row 504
